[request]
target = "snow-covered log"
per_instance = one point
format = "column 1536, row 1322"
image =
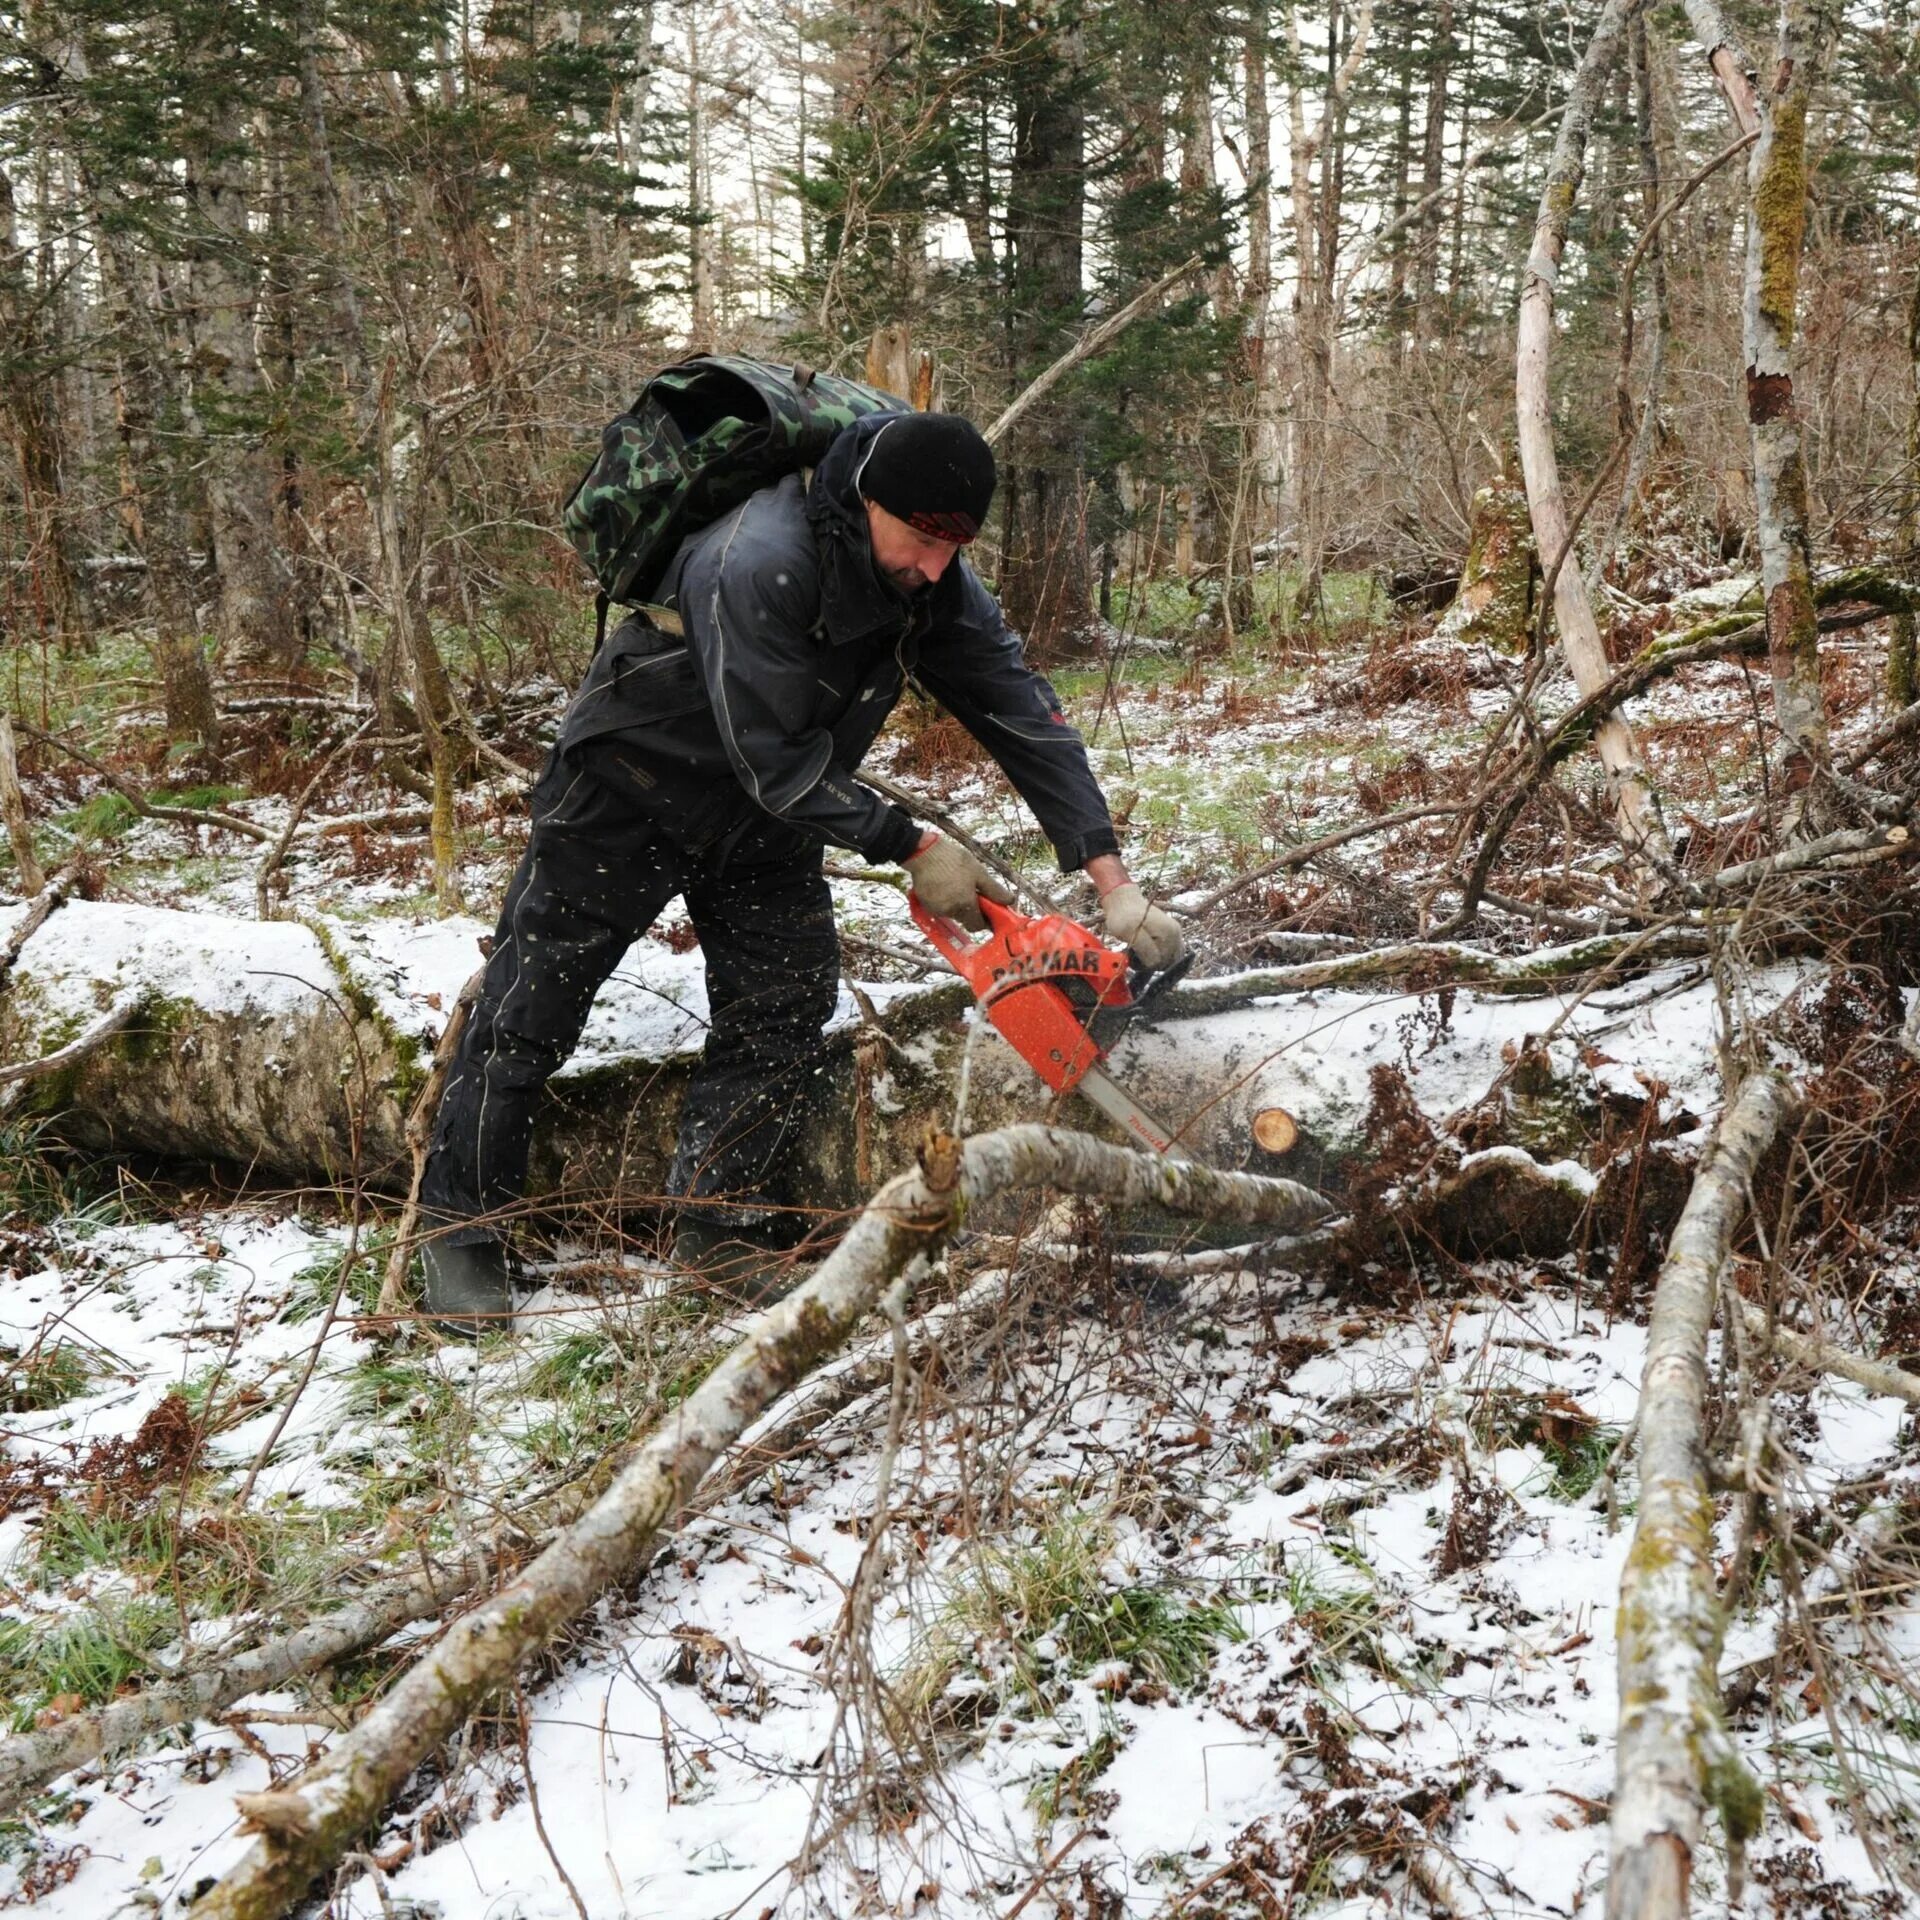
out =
column 1675, row 1757
column 297, row 1048
column 303, row 1829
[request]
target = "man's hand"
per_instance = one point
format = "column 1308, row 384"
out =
column 949, row 881
column 1148, row 932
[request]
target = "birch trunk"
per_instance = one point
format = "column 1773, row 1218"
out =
column 1316, row 222
column 1675, row 1756
column 1776, row 230
column 1580, row 641
column 303, row 1829
column 1262, row 372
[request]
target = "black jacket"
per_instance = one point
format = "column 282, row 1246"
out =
column 795, row 651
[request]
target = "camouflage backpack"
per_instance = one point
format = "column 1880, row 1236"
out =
column 702, row 437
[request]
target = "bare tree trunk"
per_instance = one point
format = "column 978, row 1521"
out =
column 1647, row 434
column 36, row 430
column 1776, row 230
column 413, row 643
column 1580, row 641
column 1262, row 367
column 150, row 429
column 1675, row 1757
column 13, row 809
column 1433, row 160
column 304, row 1828
column 1903, row 685
column 1316, row 223
column 228, row 405
column 1046, row 576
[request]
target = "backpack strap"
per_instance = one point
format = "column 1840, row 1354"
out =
column 667, row 619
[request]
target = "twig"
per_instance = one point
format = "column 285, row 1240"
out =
column 533, row 1802
column 1045, row 1874
column 1299, row 856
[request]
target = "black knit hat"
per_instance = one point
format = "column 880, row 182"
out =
column 932, row 470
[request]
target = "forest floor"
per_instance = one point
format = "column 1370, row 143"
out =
column 1198, row 1587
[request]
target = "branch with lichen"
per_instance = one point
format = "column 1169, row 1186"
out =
column 1675, row 1756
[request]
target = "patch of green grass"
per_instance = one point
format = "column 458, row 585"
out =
column 584, row 1357
column 88, row 1655
column 1034, row 1614
column 105, row 816
column 1344, row 1617
column 313, row 1286
column 205, row 798
column 1578, row 1465
column 1061, row 1792
column 46, row 1377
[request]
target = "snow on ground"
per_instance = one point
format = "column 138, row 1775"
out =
column 1318, row 1581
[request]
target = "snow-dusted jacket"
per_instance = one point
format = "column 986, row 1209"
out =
column 794, row 651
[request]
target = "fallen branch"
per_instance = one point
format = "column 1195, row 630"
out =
column 1310, row 849
column 306, row 1827
column 1808, row 1350
column 50, row 901
column 1674, row 1754
column 148, row 810
column 1431, row 964
column 1085, row 347
column 95, row 1037
column 1734, row 634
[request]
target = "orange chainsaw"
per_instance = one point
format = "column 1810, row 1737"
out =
column 1061, row 999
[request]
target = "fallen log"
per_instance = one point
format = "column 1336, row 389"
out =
column 303, row 1829
column 1675, row 1757
column 297, row 1049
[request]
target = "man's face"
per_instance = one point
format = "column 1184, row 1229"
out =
column 908, row 558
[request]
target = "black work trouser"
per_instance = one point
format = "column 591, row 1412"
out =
column 595, row 876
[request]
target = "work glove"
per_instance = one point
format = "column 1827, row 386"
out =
column 1146, row 931
column 949, row 881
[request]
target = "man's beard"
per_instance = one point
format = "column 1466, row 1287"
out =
column 905, row 580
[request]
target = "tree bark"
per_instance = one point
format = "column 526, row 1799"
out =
column 304, row 1828
column 27, row 366
column 1675, row 1756
column 229, row 406
column 1316, row 202
column 1776, row 230
column 1580, row 641
column 1046, row 577
column 1265, row 397
column 13, row 809
column 1433, row 159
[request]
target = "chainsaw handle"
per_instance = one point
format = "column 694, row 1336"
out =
column 950, row 939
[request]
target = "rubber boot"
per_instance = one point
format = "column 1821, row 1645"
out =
column 745, row 1262
column 469, row 1289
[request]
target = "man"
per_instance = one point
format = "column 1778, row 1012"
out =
column 716, row 762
